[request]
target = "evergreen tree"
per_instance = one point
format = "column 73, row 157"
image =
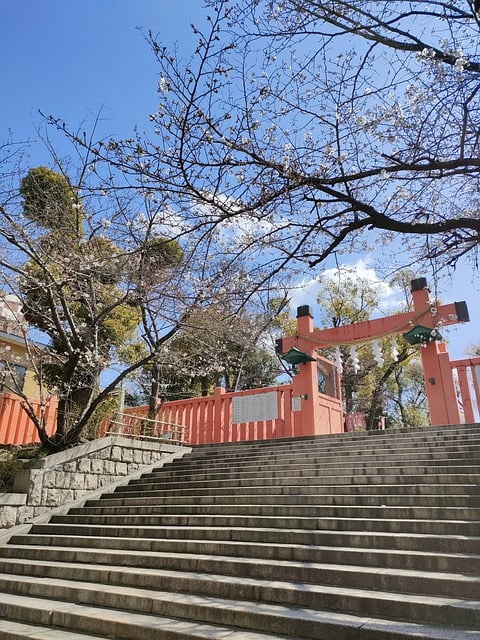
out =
column 71, row 289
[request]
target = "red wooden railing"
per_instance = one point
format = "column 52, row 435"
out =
column 133, row 423
column 211, row 418
column 223, row 416
column 216, row 418
column 15, row 425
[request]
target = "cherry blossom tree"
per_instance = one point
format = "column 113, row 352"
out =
column 104, row 285
column 79, row 267
column 217, row 346
column 320, row 127
column 297, row 129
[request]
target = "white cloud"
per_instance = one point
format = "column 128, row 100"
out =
column 360, row 271
column 306, row 291
column 170, row 224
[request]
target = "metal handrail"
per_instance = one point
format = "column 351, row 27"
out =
column 131, row 422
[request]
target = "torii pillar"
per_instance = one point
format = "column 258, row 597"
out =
column 437, row 371
column 439, row 383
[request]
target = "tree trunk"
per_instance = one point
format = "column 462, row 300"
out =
column 153, row 399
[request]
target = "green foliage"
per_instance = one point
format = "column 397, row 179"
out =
column 9, row 465
column 120, row 325
column 216, row 347
column 260, row 369
column 159, row 252
column 28, row 452
column 105, row 410
column 221, row 346
column 50, row 201
column 156, row 257
column 280, row 317
column 407, row 396
column 347, row 300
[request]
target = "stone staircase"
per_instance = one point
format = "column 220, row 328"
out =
column 370, row 536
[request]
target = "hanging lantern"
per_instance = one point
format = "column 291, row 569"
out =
column 421, row 335
column 295, row 356
column 394, row 350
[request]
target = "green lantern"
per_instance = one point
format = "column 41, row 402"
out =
column 295, row 356
column 421, row 335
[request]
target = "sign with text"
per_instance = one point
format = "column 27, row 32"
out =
column 254, row 408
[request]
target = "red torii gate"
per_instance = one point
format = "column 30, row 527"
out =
column 437, row 369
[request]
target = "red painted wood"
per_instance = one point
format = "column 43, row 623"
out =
column 15, row 425
column 209, row 419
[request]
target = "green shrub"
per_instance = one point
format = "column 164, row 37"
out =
column 8, row 467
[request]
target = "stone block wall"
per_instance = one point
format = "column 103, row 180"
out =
column 46, row 483
column 11, row 505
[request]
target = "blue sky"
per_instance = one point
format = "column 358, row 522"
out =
column 73, row 59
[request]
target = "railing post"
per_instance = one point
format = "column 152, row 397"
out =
column 218, row 418
column 467, row 404
column 476, row 382
column 469, row 388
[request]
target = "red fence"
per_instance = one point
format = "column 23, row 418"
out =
column 228, row 417
column 15, row 425
column 222, row 418
column 255, row 414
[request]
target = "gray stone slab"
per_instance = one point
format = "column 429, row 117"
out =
column 335, row 538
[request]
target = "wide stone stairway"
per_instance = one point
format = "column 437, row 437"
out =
column 361, row 536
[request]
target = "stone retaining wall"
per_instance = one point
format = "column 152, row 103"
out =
column 46, row 483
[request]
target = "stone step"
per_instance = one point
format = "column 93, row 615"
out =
column 128, row 625
column 387, row 500
column 458, row 585
column 442, row 435
column 391, row 476
column 340, row 446
column 10, row 630
column 299, row 509
column 331, row 468
column 438, row 527
column 127, row 491
column 114, row 622
column 370, row 536
column 318, row 455
column 325, row 448
column 321, row 457
column 425, row 608
column 340, row 442
column 371, row 557
column 435, row 543
column 292, row 468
